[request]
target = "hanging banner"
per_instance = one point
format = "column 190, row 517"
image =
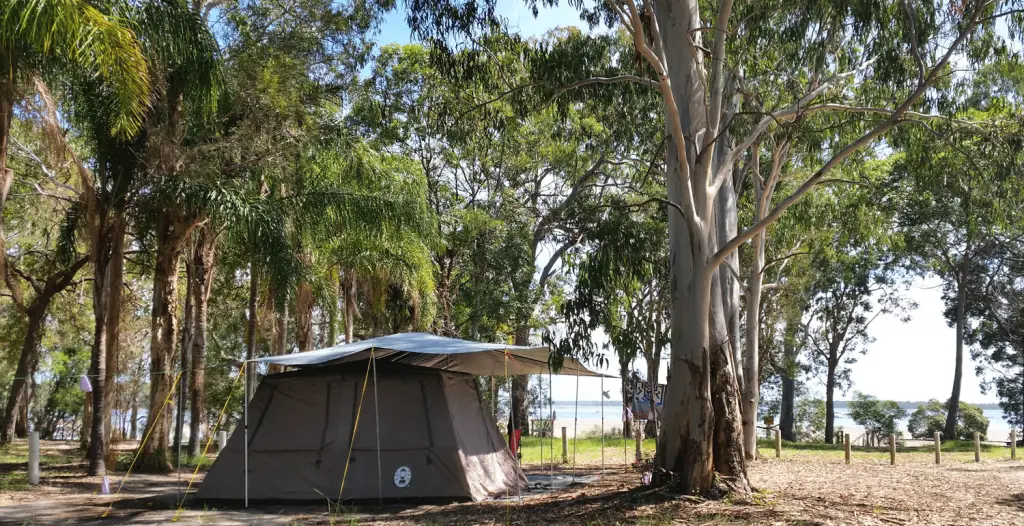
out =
column 642, row 397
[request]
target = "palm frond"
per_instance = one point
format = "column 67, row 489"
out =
column 75, row 31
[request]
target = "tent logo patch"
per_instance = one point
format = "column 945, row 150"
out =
column 402, row 476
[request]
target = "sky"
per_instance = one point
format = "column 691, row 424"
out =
column 910, row 361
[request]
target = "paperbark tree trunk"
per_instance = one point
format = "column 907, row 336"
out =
column 202, row 281
column 171, row 232
column 953, row 406
column 280, row 334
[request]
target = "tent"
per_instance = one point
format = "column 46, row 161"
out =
column 394, row 417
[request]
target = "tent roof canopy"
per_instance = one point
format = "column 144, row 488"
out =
column 429, row 350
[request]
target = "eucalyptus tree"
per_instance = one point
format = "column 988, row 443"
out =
column 891, row 56
column 994, row 308
column 69, row 37
column 619, row 288
column 958, row 190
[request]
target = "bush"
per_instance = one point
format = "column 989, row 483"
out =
column 809, row 420
column 931, row 417
column 879, row 417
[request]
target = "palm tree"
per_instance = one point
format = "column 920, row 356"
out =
column 42, row 36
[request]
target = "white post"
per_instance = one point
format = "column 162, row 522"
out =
column 222, row 441
column 938, row 450
column 33, row 457
column 778, row 443
column 565, row 447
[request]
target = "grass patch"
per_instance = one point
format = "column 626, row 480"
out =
column 14, row 463
column 952, row 451
column 538, row 450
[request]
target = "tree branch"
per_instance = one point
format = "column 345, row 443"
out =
column 840, row 156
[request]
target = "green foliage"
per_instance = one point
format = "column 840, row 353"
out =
column 880, row 418
column 38, row 34
column 809, row 419
column 931, row 417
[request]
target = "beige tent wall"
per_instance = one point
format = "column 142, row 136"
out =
column 432, row 427
column 490, row 468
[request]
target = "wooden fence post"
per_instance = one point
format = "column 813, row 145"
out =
column 778, row 443
column 892, row 449
column 847, row 446
column 1013, row 444
column 565, row 447
column 977, row 447
column 938, row 450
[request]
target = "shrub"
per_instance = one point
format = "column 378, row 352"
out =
column 931, row 417
column 809, row 420
column 879, row 417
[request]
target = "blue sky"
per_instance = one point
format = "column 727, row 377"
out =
column 907, row 361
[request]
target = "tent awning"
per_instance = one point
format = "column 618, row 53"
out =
column 439, row 352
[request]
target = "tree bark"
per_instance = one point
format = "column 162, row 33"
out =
column 304, row 317
column 7, row 95
column 187, row 327
column 350, row 305
column 830, row 411
column 751, row 365
column 115, row 285
column 685, row 448
column 953, row 406
column 281, row 336
column 18, row 393
column 171, row 232
column 202, row 281
column 520, row 389
column 728, row 447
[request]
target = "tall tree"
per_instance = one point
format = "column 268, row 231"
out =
column 857, row 45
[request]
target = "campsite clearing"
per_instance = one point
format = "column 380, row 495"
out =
column 804, row 487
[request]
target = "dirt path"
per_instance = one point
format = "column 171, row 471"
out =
column 811, row 489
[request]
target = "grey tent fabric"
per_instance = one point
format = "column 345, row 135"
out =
column 436, row 439
column 429, row 350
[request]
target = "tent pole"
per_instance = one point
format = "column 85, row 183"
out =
column 575, row 422
column 551, row 416
column 245, row 426
column 602, row 425
column 376, row 420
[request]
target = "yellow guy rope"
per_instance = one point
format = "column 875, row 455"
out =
column 212, row 433
column 143, row 443
column 355, row 426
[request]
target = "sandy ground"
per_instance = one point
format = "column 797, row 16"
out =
column 801, row 488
